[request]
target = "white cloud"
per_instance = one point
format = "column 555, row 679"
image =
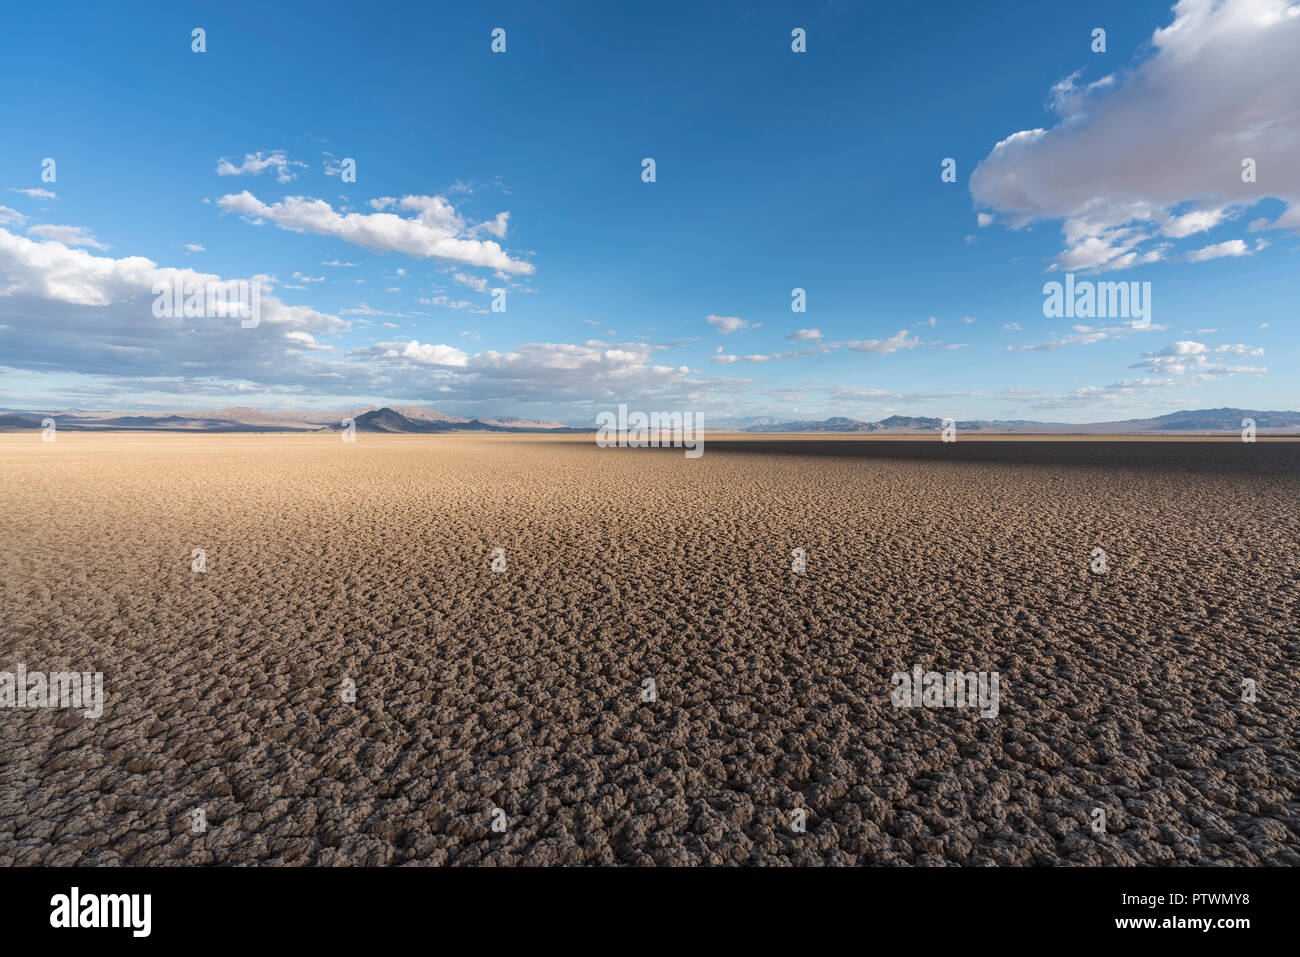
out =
column 477, row 283
column 435, row 355
column 1184, row 356
column 68, row 235
column 495, row 226
column 729, row 324
column 11, row 217
column 1084, row 336
column 257, row 163
column 805, row 334
column 305, row 340
column 1183, row 348
column 758, row 359
column 1233, row 247
column 435, row 231
column 1222, row 83
column 538, row 370
column 194, row 248
column 899, row 340
column 70, row 310
column 1197, row 221
column 447, row 302
column 34, row 193
column 1117, row 394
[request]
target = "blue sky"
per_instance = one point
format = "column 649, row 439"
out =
column 774, row 170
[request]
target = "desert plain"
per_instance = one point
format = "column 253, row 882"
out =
column 350, row 681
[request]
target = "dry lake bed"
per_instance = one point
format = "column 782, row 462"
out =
column 471, row 648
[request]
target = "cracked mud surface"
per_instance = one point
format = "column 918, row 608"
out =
column 521, row 690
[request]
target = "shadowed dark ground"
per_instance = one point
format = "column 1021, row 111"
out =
column 1264, row 457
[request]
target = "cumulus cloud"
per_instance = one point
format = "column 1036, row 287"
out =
column 534, row 371
column 477, row 283
column 1116, row 395
column 71, row 311
column 899, row 340
column 65, row 309
column 1083, row 335
column 446, row 302
column 256, row 163
column 729, row 324
column 305, row 340
column 1158, row 151
column 1233, row 247
column 495, row 226
column 758, row 359
column 433, row 355
column 1197, row 221
column 68, row 235
column 433, row 232
column 1188, row 356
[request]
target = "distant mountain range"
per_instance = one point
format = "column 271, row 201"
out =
column 1199, row 420
column 405, row 418
column 418, row 420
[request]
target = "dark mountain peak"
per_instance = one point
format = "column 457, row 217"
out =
column 389, row 420
column 909, row 422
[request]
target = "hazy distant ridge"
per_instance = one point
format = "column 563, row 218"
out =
column 411, row 419
column 404, row 419
column 1199, row 420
